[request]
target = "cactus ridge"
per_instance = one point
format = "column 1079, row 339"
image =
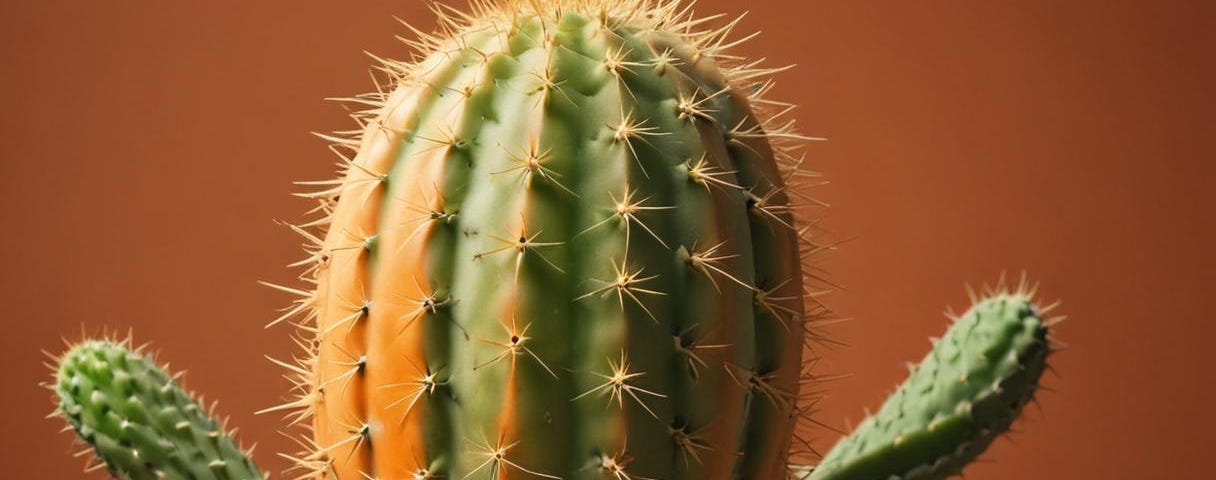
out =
column 564, row 248
column 139, row 422
column 966, row 392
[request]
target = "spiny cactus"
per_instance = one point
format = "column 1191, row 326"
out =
column 965, row 393
column 140, row 423
column 569, row 244
column 564, row 247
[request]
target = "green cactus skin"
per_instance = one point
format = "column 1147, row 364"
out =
column 139, row 421
column 964, row 394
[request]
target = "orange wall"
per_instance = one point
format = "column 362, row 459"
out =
column 148, row 147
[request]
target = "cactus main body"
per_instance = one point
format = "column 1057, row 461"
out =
column 563, row 249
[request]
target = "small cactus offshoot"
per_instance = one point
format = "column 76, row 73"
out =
column 967, row 391
column 139, row 422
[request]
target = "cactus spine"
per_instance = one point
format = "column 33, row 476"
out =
column 141, row 424
column 564, row 249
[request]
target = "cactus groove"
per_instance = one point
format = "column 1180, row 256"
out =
column 139, row 422
column 563, row 248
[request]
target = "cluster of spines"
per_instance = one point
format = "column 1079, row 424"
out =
column 137, row 421
column 626, row 283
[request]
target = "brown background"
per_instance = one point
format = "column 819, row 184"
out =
column 148, row 146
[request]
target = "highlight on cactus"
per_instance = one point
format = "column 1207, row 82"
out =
column 570, row 239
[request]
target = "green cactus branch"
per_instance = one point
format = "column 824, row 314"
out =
column 966, row 392
column 139, row 422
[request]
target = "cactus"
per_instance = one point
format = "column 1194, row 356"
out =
column 968, row 390
column 563, row 248
column 141, row 424
column 567, row 242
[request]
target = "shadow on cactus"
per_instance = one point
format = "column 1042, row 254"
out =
column 569, row 240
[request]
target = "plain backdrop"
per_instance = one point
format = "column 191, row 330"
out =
column 148, row 147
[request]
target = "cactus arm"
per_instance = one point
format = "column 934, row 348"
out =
column 140, row 423
column 964, row 394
